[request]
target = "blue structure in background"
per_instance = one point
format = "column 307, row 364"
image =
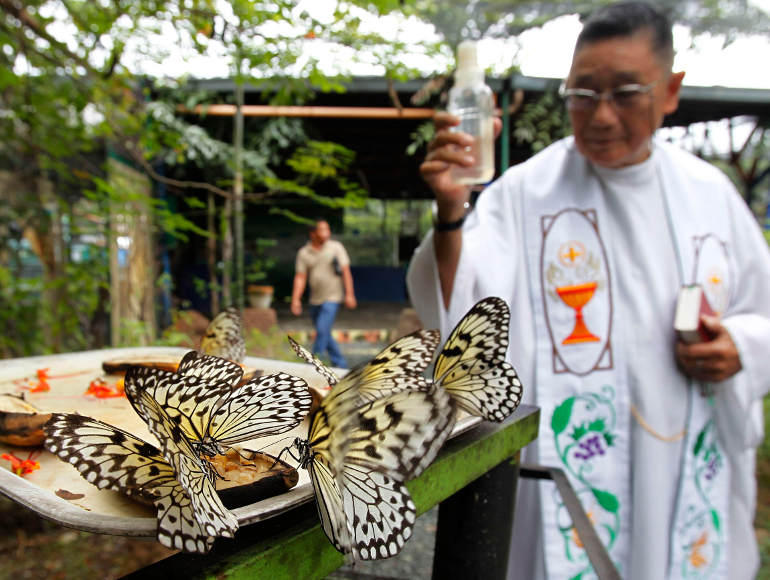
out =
column 379, row 283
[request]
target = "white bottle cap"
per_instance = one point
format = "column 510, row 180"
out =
column 468, row 70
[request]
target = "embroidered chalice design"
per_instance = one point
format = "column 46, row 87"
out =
column 576, row 297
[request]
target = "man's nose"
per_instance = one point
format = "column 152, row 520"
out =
column 604, row 113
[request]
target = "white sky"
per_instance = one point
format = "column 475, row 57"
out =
column 544, row 52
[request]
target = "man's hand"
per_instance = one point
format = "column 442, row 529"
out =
column 712, row 361
column 296, row 307
column 448, row 148
column 350, row 301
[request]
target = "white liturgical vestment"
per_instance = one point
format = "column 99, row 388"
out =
column 590, row 261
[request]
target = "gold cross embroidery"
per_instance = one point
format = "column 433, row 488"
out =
column 572, row 254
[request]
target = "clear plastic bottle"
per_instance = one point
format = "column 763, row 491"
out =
column 472, row 101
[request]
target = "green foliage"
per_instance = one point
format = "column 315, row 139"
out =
column 382, row 216
column 372, row 232
column 291, row 216
column 172, row 337
column 257, row 270
column 271, row 344
column 72, row 83
column 133, row 333
column 19, row 304
column 763, row 452
column 542, row 122
column 35, row 323
column 316, row 164
column 68, row 87
column 420, row 137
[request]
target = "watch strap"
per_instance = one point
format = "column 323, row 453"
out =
column 454, row 225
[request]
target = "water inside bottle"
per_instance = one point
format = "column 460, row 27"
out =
column 480, row 127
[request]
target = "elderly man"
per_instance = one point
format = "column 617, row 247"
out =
column 590, row 241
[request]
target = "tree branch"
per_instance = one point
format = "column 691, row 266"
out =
column 20, row 12
column 182, row 184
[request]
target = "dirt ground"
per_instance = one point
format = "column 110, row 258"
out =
column 33, row 548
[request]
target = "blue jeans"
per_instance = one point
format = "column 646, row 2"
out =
column 323, row 316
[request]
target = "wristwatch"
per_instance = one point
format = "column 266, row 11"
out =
column 449, row 226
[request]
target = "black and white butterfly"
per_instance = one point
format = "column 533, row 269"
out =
column 360, row 457
column 190, row 513
column 224, row 336
column 203, row 400
column 471, row 365
column 399, row 366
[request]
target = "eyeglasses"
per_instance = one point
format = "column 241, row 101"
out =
column 623, row 98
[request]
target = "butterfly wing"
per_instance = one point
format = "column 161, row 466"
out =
column 224, row 336
column 380, row 511
column 194, row 474
column 211, row 369
column 187, row 399
column 111, row 458
column 401, row 434
column 393, row 369
column 303, row 353
column 323, row 454
column 472, row 367
column 266, row 405
column 329, row 504
column 359, row 466
column 398, row 367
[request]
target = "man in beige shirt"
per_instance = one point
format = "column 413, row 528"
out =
column 324, row 264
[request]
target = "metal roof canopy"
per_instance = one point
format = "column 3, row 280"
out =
column 697, row 104
column 365, row 120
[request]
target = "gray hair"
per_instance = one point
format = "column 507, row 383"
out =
column 624, row 19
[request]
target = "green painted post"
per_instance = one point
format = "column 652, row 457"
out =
column 505, row 140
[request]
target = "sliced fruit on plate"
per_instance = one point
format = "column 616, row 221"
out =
column 251, row 477
column 118, row 366
column 21, row 423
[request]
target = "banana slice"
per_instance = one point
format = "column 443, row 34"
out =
column 21, row 423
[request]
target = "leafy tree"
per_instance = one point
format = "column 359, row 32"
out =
column 70, row 87
column 457, row 20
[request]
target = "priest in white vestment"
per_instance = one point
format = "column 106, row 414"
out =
column 589, row 242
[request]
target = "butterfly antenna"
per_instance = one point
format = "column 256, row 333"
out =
column 286, row 450
column 245, row 450
column 289, row 452
column 277, row 441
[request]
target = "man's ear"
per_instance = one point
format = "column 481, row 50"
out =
column 674, row 84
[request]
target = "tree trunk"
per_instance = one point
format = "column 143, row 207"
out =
column 240, row 282
column 227, row 253
column 211, row 254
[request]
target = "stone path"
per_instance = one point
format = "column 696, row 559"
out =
column 414, row 562
column 361, row 332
